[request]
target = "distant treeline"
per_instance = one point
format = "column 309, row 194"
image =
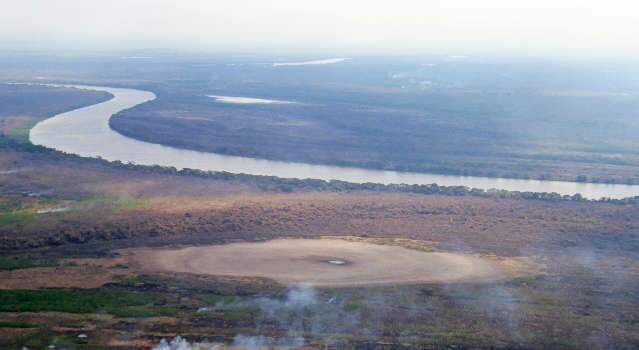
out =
column 278, row 184
column 287, row 185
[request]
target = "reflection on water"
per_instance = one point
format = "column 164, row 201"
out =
column 86, row 132
column 247, row 100
column 314, row 62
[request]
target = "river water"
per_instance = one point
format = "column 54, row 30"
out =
column 86, row 132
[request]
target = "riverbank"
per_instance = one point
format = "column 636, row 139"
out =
column 86, row 132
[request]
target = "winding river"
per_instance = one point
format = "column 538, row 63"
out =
column 86, row 132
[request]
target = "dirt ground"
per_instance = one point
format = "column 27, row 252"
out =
column 327, row 263
column 55, row 277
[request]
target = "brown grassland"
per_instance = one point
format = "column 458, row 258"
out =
column 584, row 293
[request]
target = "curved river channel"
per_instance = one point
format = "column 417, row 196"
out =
column 86, row 132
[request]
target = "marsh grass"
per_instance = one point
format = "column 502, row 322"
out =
column 15, row 263
column 20, row 132
column 16, row 324
column 18, row 217
column 120, row 303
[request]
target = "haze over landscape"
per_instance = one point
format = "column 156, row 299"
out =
column 572, row 28
column 209, row 175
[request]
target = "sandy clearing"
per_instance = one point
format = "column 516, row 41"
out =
column 312, row 261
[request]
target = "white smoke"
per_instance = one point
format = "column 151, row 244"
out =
column 53, row 210
column 288, row 314
column 259, row 342
column 300, row 317
column 179, row 343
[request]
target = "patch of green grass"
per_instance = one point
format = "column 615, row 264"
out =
column 353, row 306
column 126, row 202
column 219, row 289
column 11, row 203
column 234, row 314
column 20, row 132
column 63, row 341
column 120, row 278
column 43, row 338
column 215, row 299
column 14, row 263
column 125, row 303
column 521, row 281
column 116, row 203
column 16, row 324
column 240, row 314
column 19, row 217
column 145, row 311
column 8, row 142
column 36, row 340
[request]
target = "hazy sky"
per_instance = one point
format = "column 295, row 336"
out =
column 405, row 26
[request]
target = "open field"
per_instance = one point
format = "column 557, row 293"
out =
column 327, row 263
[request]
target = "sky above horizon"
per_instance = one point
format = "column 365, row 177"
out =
column 540, row 27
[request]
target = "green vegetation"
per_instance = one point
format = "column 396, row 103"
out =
column 114, row 202
column 123, row 303
column 241, row 312
column 215, row 299
column 24, row 262
column 144, row 311
column 209, row 291
column 11, row 143
column 237, row 314
column 19, row 217
column 45, row 338
column 20, row 132
column 107, row 202
column 11, row 203
column 20, row 208
column 353, row 306
column 23, row 210
column 16, row 324
column 37, row 340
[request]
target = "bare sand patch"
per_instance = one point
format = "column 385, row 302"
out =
column 327, row 263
